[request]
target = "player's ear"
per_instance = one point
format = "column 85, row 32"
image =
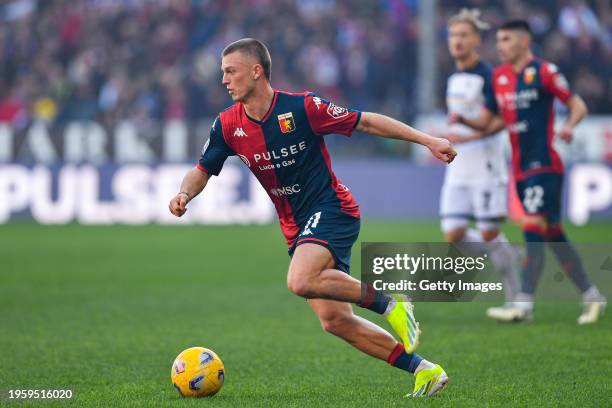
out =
column 257, row 71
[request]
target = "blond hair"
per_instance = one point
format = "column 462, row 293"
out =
column 470, row 16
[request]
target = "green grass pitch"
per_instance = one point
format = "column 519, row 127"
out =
column 104, row 311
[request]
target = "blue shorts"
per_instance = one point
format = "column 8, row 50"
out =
column 540, row 194
column 335, row 230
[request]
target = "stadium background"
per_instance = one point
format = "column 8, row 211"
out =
column 105, row 103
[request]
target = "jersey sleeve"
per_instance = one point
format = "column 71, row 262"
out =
column 554, row 82
column 326, row 117
column 489, row 93
column 215, row 151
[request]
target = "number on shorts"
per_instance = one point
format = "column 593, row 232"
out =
column 534, row 199
column 313, row 221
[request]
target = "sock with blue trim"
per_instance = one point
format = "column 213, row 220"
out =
column 374, row 300
column 407, row 362
column 568, row 257
column 534, row 261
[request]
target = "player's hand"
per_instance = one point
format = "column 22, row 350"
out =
column 566, row 134
column 442, row 149
column 454, row 118
column 178, row 205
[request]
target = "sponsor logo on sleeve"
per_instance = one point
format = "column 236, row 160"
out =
column 317, row 101
column 336, row 111
column 245, row 160
column 561, row 82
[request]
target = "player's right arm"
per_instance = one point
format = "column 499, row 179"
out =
column 214, row 154
column 193, row 183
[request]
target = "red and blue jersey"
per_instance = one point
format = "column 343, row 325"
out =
column 286, row 152
column 525, row 100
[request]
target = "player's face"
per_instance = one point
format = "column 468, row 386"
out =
column 462, row 40
column 511, row 45
column 238, row 75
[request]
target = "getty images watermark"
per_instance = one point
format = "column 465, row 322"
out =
column 447, row 272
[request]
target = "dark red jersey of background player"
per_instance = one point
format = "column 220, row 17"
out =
column 286, row 151
column 525, row 100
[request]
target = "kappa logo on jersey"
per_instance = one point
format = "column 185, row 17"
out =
column 336, row 111
column 317, row 102
column 502, row 80
column 239, row 132
column 286, row 122
column 529, row 76
column 245, row 160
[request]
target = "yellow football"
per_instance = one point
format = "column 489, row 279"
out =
column 198, row 372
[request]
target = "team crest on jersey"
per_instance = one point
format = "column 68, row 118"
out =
column 286, row 122
column 529, row 75
column 336, row 111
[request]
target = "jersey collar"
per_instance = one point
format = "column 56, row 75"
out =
column 268, row 113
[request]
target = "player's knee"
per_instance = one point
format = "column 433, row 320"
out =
column 301, row 286
column 455, row 235
column 489, row 235
column 533, row 221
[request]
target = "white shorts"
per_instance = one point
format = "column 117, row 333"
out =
column 487, row 204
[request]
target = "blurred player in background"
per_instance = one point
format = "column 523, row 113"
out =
column 475, row 186
column 523, row 92
column 279, row 136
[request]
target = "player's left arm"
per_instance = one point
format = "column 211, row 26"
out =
column 577, row 111
column 495, row 125
column 384, row 126
column 554, row 82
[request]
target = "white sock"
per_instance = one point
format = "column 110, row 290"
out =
column 504, row 257
column 592, row 294
column 524, row 301
column 424, row 365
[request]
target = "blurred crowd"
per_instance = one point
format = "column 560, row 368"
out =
column 574, row 34
column 107, row 60
column 145, row 60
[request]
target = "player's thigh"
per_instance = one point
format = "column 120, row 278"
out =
column 309, row 260
column 334, row 230
column 455, row 208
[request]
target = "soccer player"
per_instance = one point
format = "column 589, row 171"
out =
column 475, row 185
column 523, row 92
column 279, row 137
